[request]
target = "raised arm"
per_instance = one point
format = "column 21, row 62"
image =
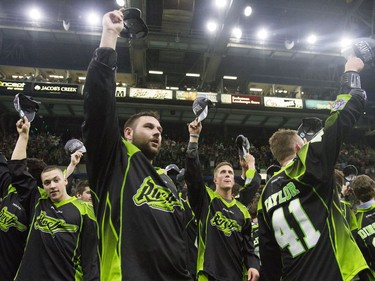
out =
column 250, row 179
column 101, row 133
column 23, row 129
column 75, row 158
column 22, row 180
column 112, row 26
column 193, row 173
column 346, row 111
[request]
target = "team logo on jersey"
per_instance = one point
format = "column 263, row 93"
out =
column 8, row 220
column 156, row 196
column 224, row 224
column 338, row 105
column 52, row 225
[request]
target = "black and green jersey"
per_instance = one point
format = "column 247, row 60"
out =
column 250, row 186
column 62, row 240
column 225, row 245
column 366, row 232
column 303, row 234
column 255, row 235
column 13, row 225
column 141, row 217
column 349, row 215
column 191, row 232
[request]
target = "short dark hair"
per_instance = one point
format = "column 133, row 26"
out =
column 132, row 120
column 363, row 187
column 35, row 167
column 79, row 187
column 50, row 168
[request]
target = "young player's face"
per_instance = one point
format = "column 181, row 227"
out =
column 147, row 136
column 224, row 178
column 86, row 195
column 55, row 185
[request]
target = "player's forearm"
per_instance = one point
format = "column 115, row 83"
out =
column 19, row 151
column 108, row 39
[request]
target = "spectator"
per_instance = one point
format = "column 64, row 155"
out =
column 82, row 191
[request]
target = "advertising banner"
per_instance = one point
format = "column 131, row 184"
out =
column 319, row 104
column 155, row 94
column 54, row 88
column 237, row 99
column 191, row 95
column 14, row 86
column 283, row 102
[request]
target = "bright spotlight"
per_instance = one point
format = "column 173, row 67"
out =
column 262, row 34
column 237, row 33
column 93, row 18
column 211, row 26
column 121, row 3
column 248, row 10
column 345, row 42
column 311, row 39
column 35, row 14
column 220, row 3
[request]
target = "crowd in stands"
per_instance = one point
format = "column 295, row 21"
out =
column 50, row 148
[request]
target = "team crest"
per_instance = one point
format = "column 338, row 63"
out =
column 156, row 196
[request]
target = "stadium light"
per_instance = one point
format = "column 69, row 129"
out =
column 220, row 3
column 157, row 72
column 211, row 26
column 248, row 11
column 35, row 14
column 237, row 33
column 230, row 77
column 121, row 3
column 93, row 18
column 311, row 39
column 262, row 34
column 193, row 74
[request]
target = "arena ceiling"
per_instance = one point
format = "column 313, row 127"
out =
column 178, row 43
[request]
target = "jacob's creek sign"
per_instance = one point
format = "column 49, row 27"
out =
column 14, row 86
column 55, row 88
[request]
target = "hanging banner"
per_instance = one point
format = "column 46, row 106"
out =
column 226, row 98
column 150, row 94
column 120, row 92
column 283, row 102
column 14, row 86
column 55, row 88
column 237, row 99
column 319, row 104
column 192, row 95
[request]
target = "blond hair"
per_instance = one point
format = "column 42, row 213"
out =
column 282, row 144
